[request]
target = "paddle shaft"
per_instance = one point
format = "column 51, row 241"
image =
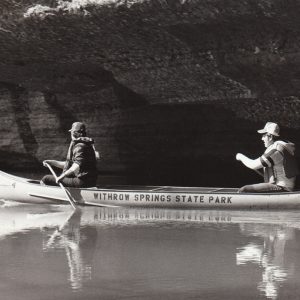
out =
column 69, row 197
column 258, row 172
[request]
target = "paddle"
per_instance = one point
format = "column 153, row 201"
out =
column 57, row 232
column 258, row 172
column 69, row 197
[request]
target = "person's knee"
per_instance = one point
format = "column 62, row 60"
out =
column 48, row 180
column 45, row 179
column 245, row 189
column 241, row 190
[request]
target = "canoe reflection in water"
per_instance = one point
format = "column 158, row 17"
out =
column 269, row 255
column 138, row 251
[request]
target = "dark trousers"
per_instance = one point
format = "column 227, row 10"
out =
column 69, row 181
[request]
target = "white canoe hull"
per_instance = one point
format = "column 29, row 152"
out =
column 29, row 191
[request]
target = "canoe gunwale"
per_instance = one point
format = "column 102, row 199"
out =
column 154, row 189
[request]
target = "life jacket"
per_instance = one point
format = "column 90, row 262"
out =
column 289, row 162
column 84, row 140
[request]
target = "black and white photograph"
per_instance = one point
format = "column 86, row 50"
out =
column 149, row 149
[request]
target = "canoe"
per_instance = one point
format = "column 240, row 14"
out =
column 25, row 190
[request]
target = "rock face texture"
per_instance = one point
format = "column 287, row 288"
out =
column 169, row 90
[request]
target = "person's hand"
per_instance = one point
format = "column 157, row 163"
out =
column 59, row 178
column 46, row 162
column 239, row 156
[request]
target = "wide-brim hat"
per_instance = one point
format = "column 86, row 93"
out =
column 271, row 128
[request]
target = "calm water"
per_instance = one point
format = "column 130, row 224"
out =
column 51, row 252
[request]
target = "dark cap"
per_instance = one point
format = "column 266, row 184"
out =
column 78, row 126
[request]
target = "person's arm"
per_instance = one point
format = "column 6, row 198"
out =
column 254, row 164
column 79, row 155
column 55, row 163
column 73, row 169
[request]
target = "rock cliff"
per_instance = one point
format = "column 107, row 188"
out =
column 170, row 90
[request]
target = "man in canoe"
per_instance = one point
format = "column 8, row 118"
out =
column 80, row 168
column 278, row 161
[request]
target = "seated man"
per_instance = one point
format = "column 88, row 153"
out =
column 278, row 161
column 80, row 167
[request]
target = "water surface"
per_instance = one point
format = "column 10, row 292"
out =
column 51, row 252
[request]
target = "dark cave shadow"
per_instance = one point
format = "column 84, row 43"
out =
column 65, row 117
column 21, row 111
column 189, row 145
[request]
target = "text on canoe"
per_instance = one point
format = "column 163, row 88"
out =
column 163, row 198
